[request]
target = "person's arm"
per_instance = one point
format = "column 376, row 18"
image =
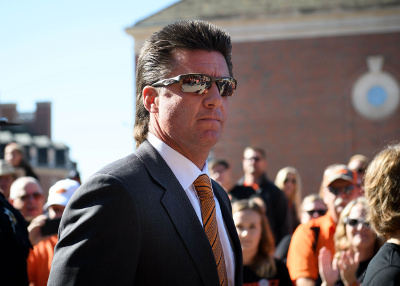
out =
column 304, row 281
column 35, row 234
column 302, row 261
column 99, row 236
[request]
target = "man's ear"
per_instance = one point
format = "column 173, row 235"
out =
column 150, row 99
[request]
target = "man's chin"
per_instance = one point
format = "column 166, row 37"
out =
column 210, row 137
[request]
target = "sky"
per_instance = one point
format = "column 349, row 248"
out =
column 76, row 55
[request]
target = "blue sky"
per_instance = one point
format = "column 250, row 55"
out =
column 76, row 55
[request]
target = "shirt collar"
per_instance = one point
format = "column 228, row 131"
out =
column 184, row 170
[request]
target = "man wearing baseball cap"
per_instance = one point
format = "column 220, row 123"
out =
column 337, row 189
column 39, row 260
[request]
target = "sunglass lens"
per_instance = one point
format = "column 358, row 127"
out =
column 315, row 213
column 226, row 87
column 223, row 87
column 195, row 83
column 37, row 196
column 353, row 222
column 348, row 189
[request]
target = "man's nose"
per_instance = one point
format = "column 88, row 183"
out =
column 213, row 97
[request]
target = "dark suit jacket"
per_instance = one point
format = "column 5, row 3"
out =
column 132, row 224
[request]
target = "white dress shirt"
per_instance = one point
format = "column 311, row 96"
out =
column 187, row 172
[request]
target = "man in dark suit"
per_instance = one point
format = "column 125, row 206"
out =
column 139, row 221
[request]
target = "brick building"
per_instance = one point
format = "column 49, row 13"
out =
column 50, row 160
column 318, row 81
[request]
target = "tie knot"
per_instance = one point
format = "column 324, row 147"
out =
column 203, row 187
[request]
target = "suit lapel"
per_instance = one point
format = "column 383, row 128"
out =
column 181, row 212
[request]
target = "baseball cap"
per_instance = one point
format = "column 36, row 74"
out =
column 336, row 172
column 61, row 192
column 6, row 169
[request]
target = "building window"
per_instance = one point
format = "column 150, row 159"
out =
column 42, row 158
column 60, row 158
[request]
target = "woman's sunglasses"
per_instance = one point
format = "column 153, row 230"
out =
column 353, row 222
column 293, row 181
column 315, row 213
column 200, row 83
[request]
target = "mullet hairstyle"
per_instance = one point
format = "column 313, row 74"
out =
column 382, row 190
column 264, row 263
column 156, row 59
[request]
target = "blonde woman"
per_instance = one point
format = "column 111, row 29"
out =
column 355, row 245
column 289, row 181
column 259, row 265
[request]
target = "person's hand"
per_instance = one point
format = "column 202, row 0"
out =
column 35, row 235
column 327, row 268
column 348, row 264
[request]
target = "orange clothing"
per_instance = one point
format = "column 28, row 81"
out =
column 39, row 261
column 255, row 186
column 302, row 259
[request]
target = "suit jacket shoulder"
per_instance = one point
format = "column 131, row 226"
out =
column 131, row 223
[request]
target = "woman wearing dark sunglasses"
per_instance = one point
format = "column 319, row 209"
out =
column 355, row 244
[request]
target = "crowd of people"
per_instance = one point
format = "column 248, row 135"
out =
column 323, row 239
column 156, row 218
column 329, row 239
column 29, row 221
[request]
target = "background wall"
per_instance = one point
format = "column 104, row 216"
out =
column 294, row 100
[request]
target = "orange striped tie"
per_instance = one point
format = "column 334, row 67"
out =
column 204, row 190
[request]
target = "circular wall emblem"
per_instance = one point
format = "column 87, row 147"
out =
column 376, row 93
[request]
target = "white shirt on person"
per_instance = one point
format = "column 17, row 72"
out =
column 187, row 172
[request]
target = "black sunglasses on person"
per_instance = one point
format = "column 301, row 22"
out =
column 34, row 196
column 200, row 83
column 353, row 222
column 293, row 181
column 316, row 212
column 345, row 190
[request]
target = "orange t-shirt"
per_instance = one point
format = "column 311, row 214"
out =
column 39, row 261
column 302, row 259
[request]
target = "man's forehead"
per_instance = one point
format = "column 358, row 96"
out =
column 312, row 205
column 356, row 164
column 184, row 58
column 251, row 152
column 31, row 187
